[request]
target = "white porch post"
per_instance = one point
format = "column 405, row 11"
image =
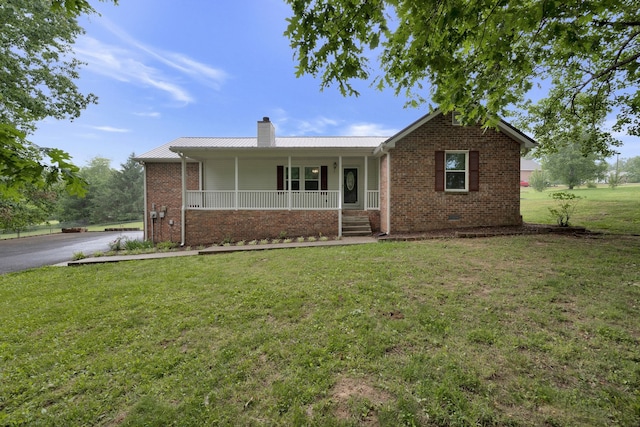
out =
column 366, row 183
column 236, row 183
column 183, row 226
column 388, row 184
column 340, row 196
column 289, row 182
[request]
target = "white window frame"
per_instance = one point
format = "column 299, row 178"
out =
column 465, row 171
column 319, row 180
column 302, row 178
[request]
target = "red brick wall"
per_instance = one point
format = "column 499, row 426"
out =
column 164, row 188
column 207, row 227
column 416, row 206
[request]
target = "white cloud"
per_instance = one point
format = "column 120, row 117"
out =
column 368, row 129
column 110, row 129
column 211, row 76
column 152, row 114
column 137, row 63
column 317, row 125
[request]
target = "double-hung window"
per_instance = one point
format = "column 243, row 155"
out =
column 303, row 178
column 456, row 166
column 312, row 178
column 457, row 171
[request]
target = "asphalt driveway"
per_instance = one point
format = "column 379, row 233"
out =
column 37, row 251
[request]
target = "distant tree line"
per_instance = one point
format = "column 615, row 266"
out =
column 111, row 196
column 628, row 169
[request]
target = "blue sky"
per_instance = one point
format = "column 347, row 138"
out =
column 165, row 69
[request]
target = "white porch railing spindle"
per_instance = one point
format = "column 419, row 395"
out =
column 241, row 199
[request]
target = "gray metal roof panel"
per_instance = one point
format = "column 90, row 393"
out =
column 165, row 151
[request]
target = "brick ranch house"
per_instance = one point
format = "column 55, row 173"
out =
column 434, row 174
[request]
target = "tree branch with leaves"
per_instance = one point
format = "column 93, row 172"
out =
column 480, row 58
column 38, row 73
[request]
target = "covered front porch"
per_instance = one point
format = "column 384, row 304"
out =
column 284, row 183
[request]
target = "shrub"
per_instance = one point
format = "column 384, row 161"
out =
column 166, row 246
column 135, row 244
column 614, row 179
column 539, row 180
column 117, row 245
column 566, row 204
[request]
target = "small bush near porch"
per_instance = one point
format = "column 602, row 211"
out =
column 531, row 330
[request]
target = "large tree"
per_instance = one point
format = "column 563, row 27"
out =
column 571, row 167
column 631, row 168
column 112, row 195
column 94, row 206
column 37, row 74
column 480, row 57
column 126, row 191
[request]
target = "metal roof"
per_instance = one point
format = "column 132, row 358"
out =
column 168, row 151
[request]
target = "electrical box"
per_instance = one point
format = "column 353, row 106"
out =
column 153, row 214
column 161, row 214
column 170, row 222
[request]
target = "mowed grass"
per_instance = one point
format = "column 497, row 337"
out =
column 599, row 209
column 516, row 331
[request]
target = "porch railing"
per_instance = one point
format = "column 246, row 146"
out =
column 373, row 199
column 277, row 200
column 271, row 199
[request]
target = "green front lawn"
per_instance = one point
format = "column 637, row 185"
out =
column 519, row 331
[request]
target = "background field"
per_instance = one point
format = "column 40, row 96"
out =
column 55, row 227
column 599, row 209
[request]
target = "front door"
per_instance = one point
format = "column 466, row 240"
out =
column 350, row 186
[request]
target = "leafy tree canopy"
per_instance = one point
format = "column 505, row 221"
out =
column 571, row 167
column 112, row 195
column 631, row 168
column 74, row 7
column 37, row 73
column 480, row 57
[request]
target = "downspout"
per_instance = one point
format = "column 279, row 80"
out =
column 145, row 221
column 183, row 225
column 340, row 196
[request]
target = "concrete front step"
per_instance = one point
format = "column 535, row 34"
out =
column 355, row 226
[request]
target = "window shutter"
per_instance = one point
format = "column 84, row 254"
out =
column 324, row 172
column 474, row 171
column 439, row 170
column 280, row 178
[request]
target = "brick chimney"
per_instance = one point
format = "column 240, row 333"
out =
column 266, row 133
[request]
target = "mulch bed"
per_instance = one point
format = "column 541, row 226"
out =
column 474, row 232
